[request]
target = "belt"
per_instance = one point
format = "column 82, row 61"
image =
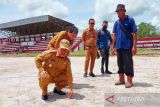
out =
column 91, row 46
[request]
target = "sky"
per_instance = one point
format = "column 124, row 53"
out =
column 79, row 12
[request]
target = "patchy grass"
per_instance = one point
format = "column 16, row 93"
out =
column 26, row 54
column 77, row 53
column 33, row 54
column 143, row 52
column 148, row 52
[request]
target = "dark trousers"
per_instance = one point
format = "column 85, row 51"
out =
column 105, row 58
column 125, row 62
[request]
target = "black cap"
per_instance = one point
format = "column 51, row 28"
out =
column 120, row 7
column 72, row 29
column 105, row 21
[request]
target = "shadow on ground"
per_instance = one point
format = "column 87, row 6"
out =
column 105, row 75
column 142, row 84
column 53, row 97
column 80, row 86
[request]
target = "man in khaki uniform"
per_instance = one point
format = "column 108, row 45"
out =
column 54, row 67
column 70, row 34
column 89, row 38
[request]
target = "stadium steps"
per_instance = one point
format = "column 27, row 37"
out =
column 38, row 47
column 9, row 48
column 42, row 46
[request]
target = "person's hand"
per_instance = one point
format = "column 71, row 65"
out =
column 70, row 93
column 57, row 45
column 43, row 74
column 99, row 52
column 134, row 50
column 113, row 51
column 109, row 45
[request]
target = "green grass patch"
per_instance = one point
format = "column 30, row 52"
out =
column 28, row 54
column 33, row 54
column 77, row 53
column 148, row 52
column 144, row 51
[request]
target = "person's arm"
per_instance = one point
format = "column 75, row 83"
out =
column 110, row 39
column 83, row 36
column 69, row 78
column 114, row 39
column 60, row 36
column 51, row 44
column 40, row 59
column 98, row 40
column 134, row 35
column 114, row 44
column 95, row 37
column 134, row 48
column 54, row 43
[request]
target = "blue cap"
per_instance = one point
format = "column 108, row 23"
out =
column 120, row 7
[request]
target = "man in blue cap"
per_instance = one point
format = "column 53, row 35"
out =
column 124, row 43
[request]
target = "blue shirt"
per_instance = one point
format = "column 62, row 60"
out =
column 103, row 39
column 123, row 41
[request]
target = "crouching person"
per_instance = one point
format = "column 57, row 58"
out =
column 54, row 67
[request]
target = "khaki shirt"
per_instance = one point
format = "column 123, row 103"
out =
column 57, row 38
column 89, row 37
column 54, row 65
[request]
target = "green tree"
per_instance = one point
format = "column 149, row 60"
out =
column 146, row 30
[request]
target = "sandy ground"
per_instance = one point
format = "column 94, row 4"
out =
column 19, row 83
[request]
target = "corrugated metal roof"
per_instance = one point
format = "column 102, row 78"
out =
column 25, row 21
column 36, row 25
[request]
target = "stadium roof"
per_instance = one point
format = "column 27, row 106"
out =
column 36, row 25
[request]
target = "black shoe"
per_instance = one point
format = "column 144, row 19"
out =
column 59, row 92
column 102, row 70
column 91, row 74
column 45, row 97
column 108, row 72
column 85, row 75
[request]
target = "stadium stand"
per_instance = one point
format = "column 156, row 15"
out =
column 12, row 47
column 151, row 43
column 37, row 47
column 30, row 34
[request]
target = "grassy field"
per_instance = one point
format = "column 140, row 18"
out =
column 146, row 52
column 77, row 53
column 33, row 54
